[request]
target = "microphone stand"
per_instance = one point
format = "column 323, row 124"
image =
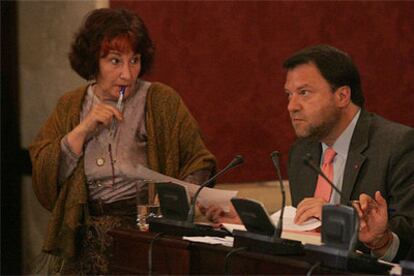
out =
column 279, row 227
column 187, row 227
column 273, row 245
column 237, row 160
column 308, row 160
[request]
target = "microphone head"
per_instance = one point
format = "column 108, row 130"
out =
column 237, row 160
column 275, row 154
column 275, row 157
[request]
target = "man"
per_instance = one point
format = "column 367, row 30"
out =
column 372, row 158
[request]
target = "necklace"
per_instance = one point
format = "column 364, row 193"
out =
column 107, row 150
column 101, row 157
column 105, row 140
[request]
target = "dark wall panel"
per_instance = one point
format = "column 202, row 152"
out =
column 11, row 244
column 224, row 58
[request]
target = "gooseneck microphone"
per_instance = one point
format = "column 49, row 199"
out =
column 237, row 160
column 279, row 227
column 262, row 235
column 337, row 250
column 308, row 160
column 178, row 214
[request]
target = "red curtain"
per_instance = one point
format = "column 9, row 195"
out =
column 224, row 58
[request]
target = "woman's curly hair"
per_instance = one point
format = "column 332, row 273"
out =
column 104, row 25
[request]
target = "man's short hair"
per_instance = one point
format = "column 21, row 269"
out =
column 335, row 66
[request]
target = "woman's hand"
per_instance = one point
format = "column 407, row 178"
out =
column 100, row 114
column 216, row 214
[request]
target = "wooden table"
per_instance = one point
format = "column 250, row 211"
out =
column 172, row 255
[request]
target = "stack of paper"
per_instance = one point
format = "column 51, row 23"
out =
column 288, row 224
column 226, row 241
column 304, row 232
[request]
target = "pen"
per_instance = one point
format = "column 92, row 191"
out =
column 119, row 106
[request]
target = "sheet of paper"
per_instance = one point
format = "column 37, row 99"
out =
column 310, row 237
column 305, row 237
column 226, row 241
column 231, row 226
column 288, row 224
column 207, row 197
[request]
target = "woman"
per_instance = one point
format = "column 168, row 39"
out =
column 85, row 154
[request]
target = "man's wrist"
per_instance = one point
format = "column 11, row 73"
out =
column 381, row 243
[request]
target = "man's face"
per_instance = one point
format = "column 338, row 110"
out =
column 312, row 104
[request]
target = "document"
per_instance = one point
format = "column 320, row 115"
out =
column 207, row 197
column 226, row 241
column 304, row 232
column 306, row 237
column 288, row 224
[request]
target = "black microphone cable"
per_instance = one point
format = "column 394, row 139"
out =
column 310, row 271
column 226, row 260
column 308, row 160
column 156, row 237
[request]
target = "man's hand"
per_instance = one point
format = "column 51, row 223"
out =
column 373, row 218
column 310, row 207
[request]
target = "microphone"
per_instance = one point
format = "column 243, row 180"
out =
column 339, row 235
column 178, row 216
column 261, row 235
column 237, row 160
column 279, row 227
column 308, row 160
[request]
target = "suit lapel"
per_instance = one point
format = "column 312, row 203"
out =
column 356, row 158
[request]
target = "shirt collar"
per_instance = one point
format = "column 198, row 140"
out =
column 341, row 145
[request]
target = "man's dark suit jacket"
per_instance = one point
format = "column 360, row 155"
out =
column 380, row 158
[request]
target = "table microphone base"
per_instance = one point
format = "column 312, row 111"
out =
column 266, row 244
column 343, row 260
column 183, row 228
column 407, row 267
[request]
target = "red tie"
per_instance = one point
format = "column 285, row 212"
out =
column 323, row 189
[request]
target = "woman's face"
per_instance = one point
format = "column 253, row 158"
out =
column 117, row 69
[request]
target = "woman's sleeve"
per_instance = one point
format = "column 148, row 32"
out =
column 68, row 160
column 175, row 146
column 194, row 155
column 45, row 156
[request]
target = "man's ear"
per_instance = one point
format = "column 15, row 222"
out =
column 343, row 96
